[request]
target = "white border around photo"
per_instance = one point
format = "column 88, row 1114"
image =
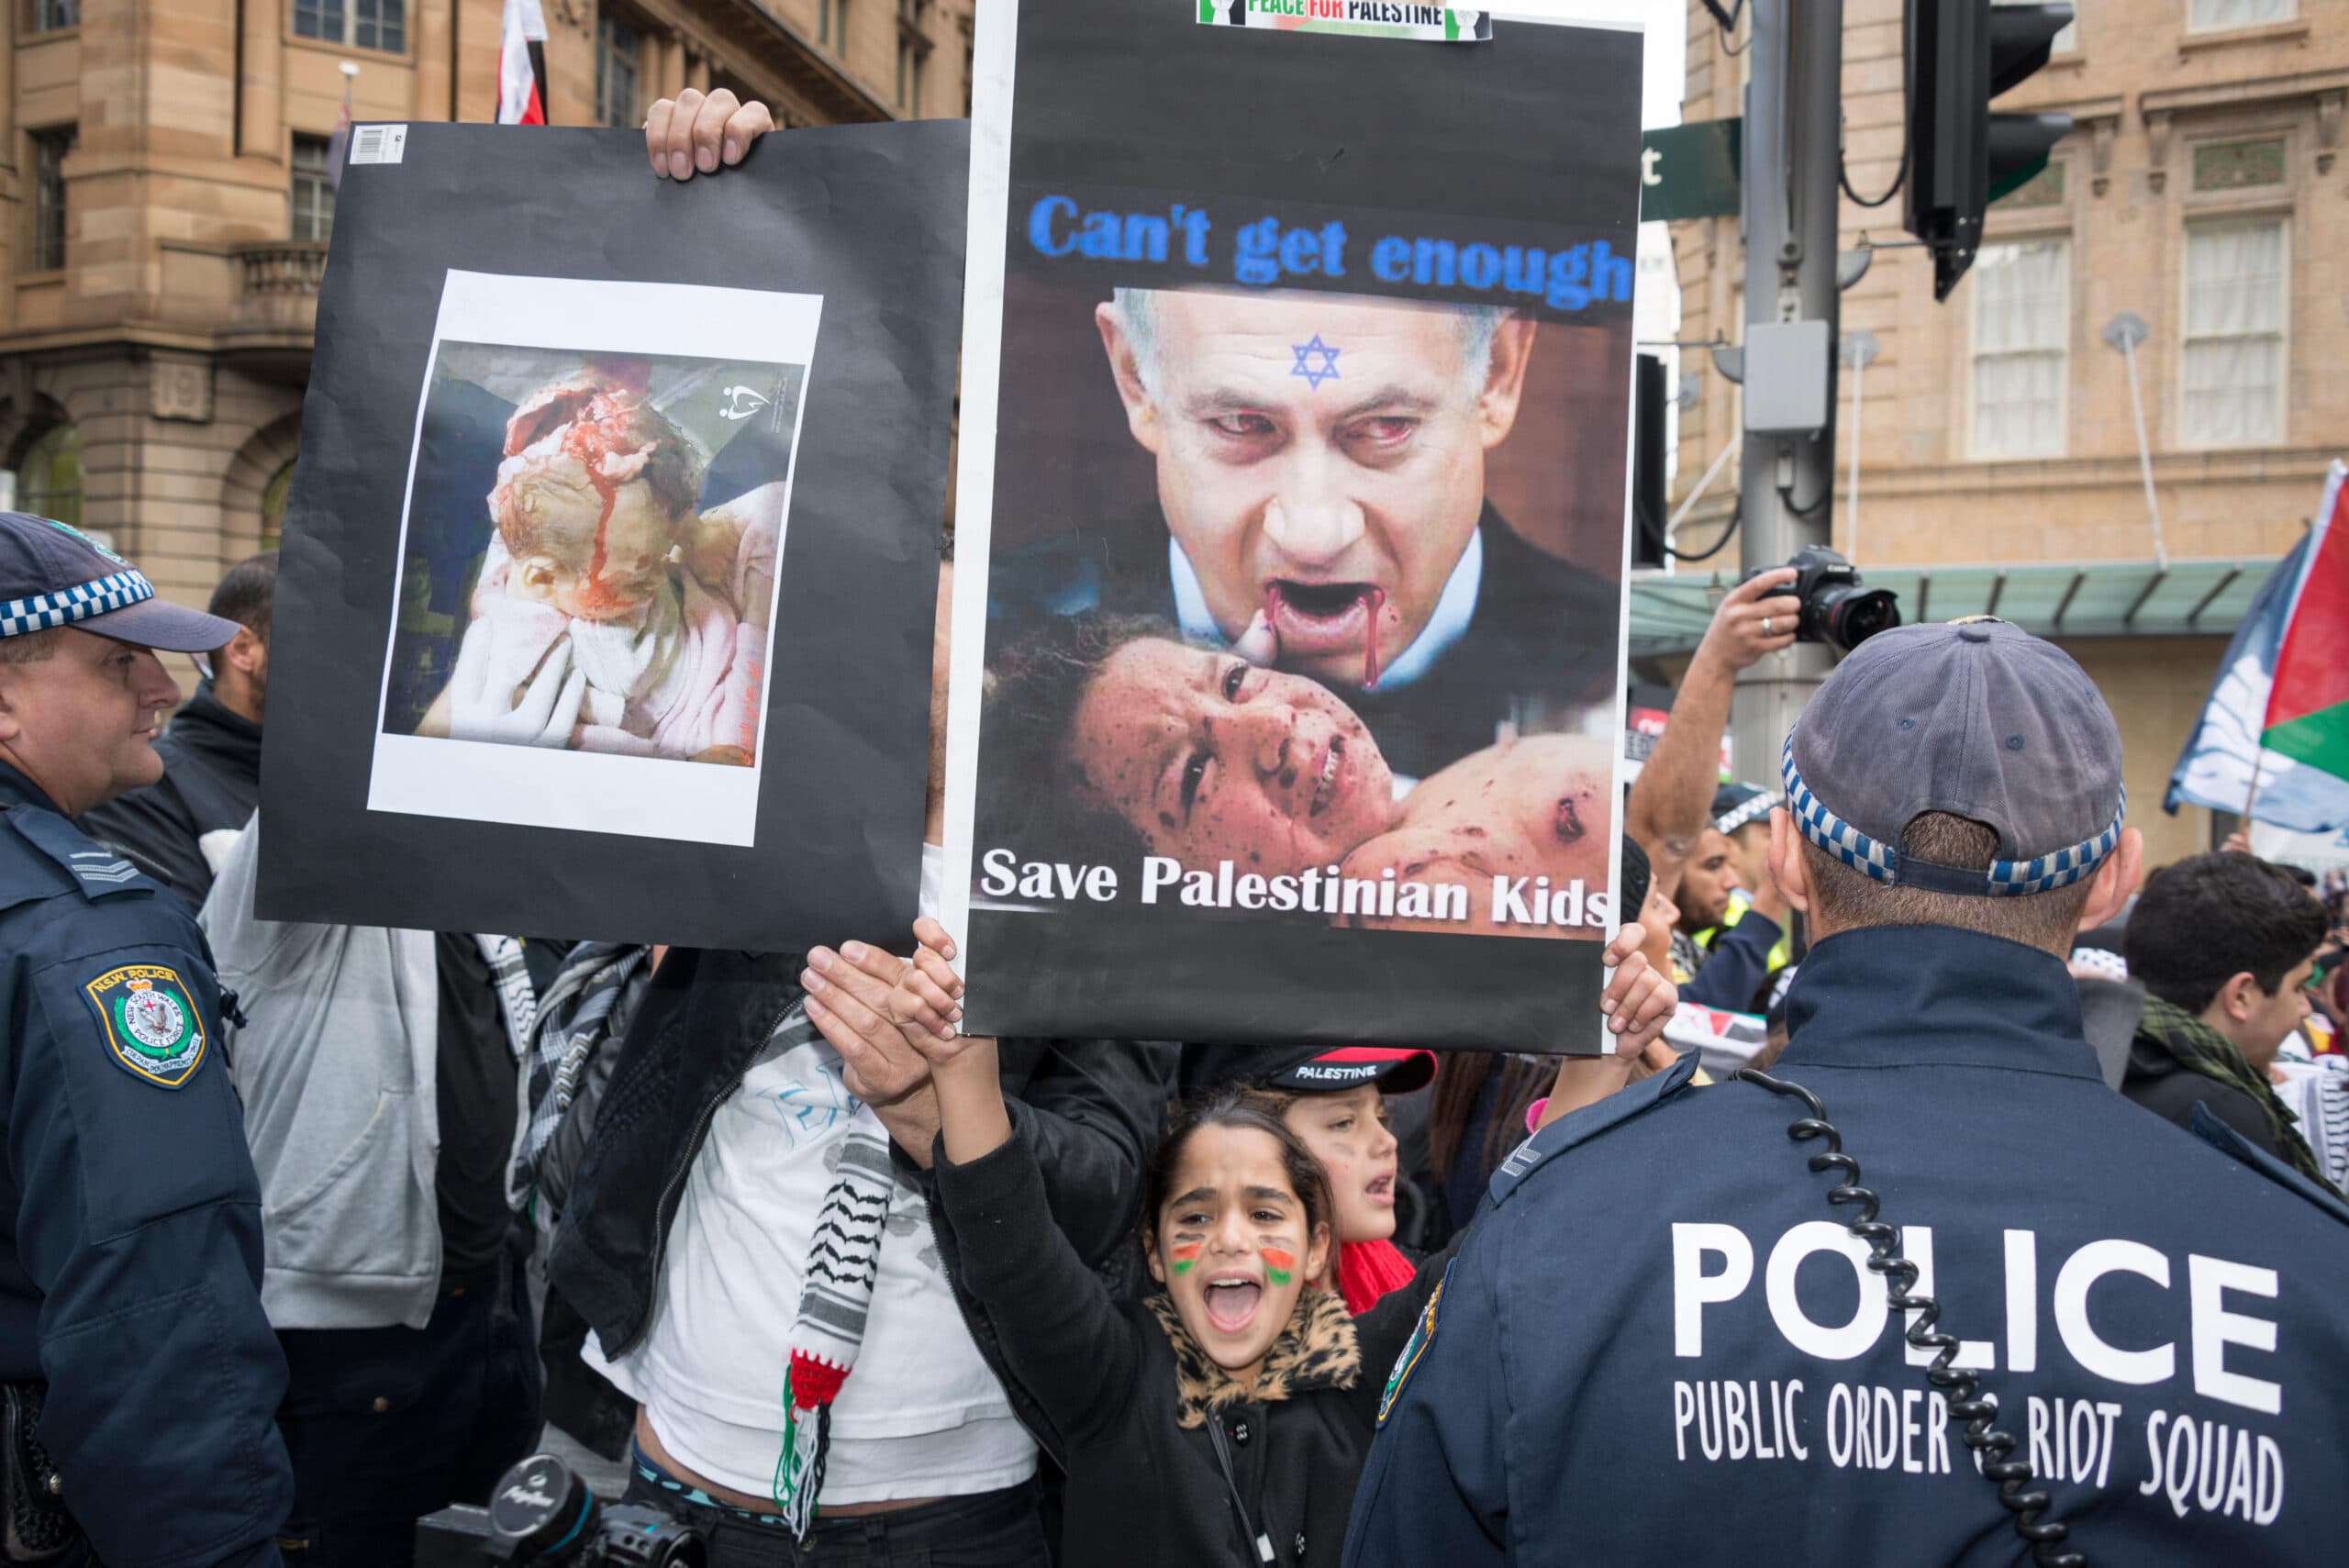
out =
column 529, row 786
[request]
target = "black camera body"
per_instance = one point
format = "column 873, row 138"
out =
column 1838, row 609
column 540, row 1512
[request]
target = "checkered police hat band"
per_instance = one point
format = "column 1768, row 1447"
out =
column 2060, row 868
column 1754, row 811
column 100, row 596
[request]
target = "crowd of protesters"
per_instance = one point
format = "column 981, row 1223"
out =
column 833, row 1283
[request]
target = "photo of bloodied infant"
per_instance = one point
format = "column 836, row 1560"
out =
column 1324, row 675
column 592, row 552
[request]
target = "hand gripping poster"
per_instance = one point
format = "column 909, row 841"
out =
column 610, row 568
column 1288, row 636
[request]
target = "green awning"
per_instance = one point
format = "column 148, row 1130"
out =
column 2082, row 598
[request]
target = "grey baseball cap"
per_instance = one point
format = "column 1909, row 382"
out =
column 1977, row 719
column 54, row 575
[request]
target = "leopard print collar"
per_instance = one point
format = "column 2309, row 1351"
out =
column 1317, row 1350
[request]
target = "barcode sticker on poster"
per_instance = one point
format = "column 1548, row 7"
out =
column 378, row 143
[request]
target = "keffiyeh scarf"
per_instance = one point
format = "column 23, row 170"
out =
column 2197, row 1047
column 843, row 1260
column 595, row 977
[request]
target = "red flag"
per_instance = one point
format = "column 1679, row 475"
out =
column 521, row 65
column 2308, row 706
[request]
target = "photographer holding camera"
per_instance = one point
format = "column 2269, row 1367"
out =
column 1670, row 810
column 1816, row 596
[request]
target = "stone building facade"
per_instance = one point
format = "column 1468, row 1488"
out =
column 165, row 208
column 2202, row 190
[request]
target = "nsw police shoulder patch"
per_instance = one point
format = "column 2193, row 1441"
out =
column 152, row 1026
column 1413, row 1349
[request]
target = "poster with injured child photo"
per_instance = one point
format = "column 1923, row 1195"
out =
column 624, row 552
column 1290, row 630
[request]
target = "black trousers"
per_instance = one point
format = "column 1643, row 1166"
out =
column 386, row 1425
column 988, row 1530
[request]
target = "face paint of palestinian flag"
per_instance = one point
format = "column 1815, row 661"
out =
column 1185, row 1256
column 1279, row 1265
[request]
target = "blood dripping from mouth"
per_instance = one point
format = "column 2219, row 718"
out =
column 1374, row 598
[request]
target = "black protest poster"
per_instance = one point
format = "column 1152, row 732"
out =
column 1289, row 612
column 610, row 570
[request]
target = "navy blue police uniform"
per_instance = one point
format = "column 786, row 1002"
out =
column 138, row 1373
column 1631, row 1366
column 130, row 1248
column 1664, row 1343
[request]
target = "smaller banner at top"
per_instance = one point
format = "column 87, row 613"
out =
column 1363, row 18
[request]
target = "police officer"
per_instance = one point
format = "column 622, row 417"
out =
column 143, row 1378
column 1664, row 1343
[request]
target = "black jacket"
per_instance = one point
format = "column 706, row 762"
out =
column 211, row 782
column 1089, row 1106
column 1104, row 1386
column 1540, row 644
column 2156, row 1081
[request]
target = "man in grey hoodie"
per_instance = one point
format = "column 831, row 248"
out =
column 379, row 1075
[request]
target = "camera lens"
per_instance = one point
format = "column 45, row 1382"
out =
column 1852, row 615
column 542, row 1507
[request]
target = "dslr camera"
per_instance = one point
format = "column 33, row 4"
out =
column 542, row 1512
column 1838, row 609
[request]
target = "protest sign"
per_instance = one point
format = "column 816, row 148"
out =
column 1288, row 651
column 610, row 568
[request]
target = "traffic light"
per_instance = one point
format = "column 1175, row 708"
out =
column 1961, row 54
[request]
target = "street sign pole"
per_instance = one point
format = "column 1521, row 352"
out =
column 1786, row 476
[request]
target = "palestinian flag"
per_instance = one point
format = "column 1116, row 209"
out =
column 2308, row 706
column 522, row 64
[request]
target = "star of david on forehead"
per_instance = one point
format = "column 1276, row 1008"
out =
column 1315, row 371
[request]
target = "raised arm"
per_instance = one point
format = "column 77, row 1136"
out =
column 1085, row 1109
column 1062, row 1341
column 1673, row 796
column 1637, row 1003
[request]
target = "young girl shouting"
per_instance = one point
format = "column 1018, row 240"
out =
column 1226, row 1418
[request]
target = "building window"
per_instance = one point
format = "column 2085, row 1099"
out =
column 362, row 24
column 2068, row 40
column 50, row 147
column 2239, row 165
column 2214, row 16
column 831, row 25
column 273, row 506
column 2232, row 377
column 617, row 50
column 53, row 15
column 2021, row 344
column 49, row 480
column 313, row 192
column 908, row 78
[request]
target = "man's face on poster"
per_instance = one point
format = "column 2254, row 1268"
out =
column 1320, row 458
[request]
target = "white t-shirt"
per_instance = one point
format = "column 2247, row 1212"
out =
column 921, row 1416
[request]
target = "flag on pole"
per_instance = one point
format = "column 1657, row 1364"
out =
column 2308, row 706
column 337, row 144
column 2273, row 742
column 522, row 65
